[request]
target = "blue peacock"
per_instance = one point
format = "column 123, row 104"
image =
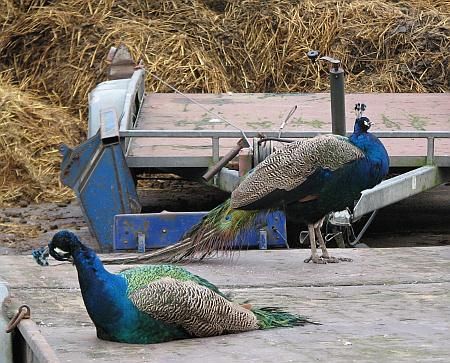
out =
column 308, row 179
column 158, row 303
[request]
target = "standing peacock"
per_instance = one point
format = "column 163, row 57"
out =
column 308, row 178
column 158, row 303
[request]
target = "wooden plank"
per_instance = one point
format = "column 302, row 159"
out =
column 387, row 305
column 264, row 112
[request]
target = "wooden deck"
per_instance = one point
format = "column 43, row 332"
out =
column 265, row 112
column 388, row 305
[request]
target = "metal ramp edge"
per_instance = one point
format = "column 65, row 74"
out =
column 400, row 187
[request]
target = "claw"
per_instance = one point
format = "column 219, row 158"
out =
column 315, row 259
column 327, row 259
column 345, row 259
column 331, row 259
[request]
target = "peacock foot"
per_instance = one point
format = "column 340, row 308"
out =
column 315, row 259
column 331, row 259
column 327, row 259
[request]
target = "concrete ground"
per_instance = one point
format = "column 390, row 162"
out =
column 388, row 305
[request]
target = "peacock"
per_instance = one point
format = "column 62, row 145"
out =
column 308, row 178
column 158, row 303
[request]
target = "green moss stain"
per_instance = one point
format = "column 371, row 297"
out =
column 256, row 125
column 315, row 123
column 417, row 122
column 389, row 123
column 194, row 124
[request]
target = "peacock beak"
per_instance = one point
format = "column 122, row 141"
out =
column 59, row 254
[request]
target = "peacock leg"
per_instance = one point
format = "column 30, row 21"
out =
column 325, row 255
column 312, row 238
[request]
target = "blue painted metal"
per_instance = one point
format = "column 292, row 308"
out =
column 75, row 160
column 103, row 184
column 164, row 229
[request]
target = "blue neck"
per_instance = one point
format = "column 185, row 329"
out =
column 374, row 151
column 114, row 315
column 102, row 291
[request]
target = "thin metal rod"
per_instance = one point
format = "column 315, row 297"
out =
column 202, row 107
column 284, row 123
column 364, row 229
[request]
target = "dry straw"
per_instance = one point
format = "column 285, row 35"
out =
column 30, row 133
column 57, row 49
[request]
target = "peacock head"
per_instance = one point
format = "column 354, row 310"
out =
column 63, row 245
column 362, row 124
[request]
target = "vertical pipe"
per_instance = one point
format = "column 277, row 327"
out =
column 430, row 150
column 215, row 149
column 337, row 100
column 245, row 161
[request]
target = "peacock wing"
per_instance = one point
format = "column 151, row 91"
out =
column 289, row 167
column 140, row 277
column 199, row 310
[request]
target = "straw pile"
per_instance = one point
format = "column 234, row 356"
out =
column 57, row 49
column 30, row 133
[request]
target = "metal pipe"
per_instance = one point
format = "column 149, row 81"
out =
column 430, row 150
column 189, row 134
column 337, row 100
column 215, row 149
column 245, row 161
column 224, row 161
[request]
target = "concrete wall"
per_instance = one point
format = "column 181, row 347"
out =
column 5, row 339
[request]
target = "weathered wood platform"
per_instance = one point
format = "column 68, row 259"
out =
column 388, row 305
column 266, row 112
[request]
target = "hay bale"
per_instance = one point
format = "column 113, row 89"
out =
column 57, row 49
column 241, row 46
column 30, row 134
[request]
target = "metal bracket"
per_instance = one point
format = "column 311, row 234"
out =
column 24, row 312
column 335, row 63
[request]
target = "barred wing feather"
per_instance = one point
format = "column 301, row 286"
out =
column 198, row 309
column 290, row 166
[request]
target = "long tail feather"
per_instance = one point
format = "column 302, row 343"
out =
column 216, row 232
column 271, row 317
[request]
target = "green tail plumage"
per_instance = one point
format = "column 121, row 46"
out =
column 215, row 232
column 271, row 317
